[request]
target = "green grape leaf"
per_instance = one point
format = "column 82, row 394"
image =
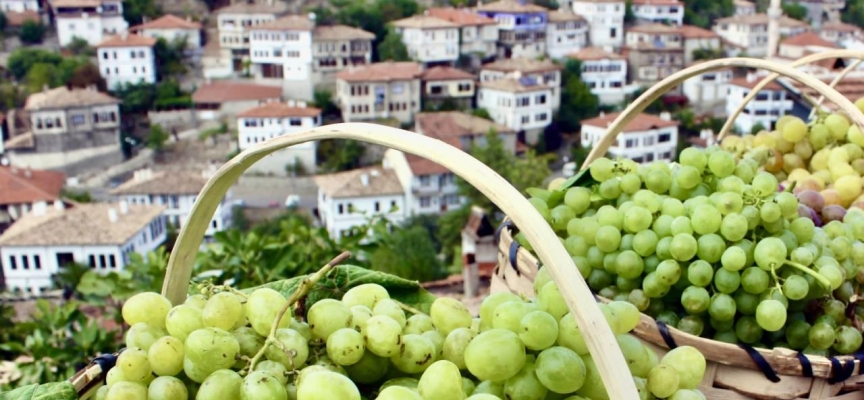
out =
column 344, row 277
column 49, row 391
column 582, row 178
column 94, row 284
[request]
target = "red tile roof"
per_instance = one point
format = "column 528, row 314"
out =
column 19, row 186
column 287, row 23
column 522, row 64
column 839, row 26
column 743, row 82
column 642, row 122
column 127, row 40
column 593, row 54
column 448, row 126
column 280, row 110
column 807, row 39
column 382, row 71
column 168, row 21
column 16, row 18
column 511, row 6
column 423, row 22
column 461, row 16
column 695, row 32
column 443, row 73
column 225, row 91
column 658, row 2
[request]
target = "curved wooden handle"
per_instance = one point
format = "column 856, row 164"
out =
column 826, row 55
column 654, row 92
column 598, row 335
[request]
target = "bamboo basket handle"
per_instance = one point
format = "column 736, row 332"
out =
column 657, row 90
column 834, row 82
column 859, row 55
column 580, row 302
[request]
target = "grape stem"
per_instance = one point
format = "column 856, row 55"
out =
column 302, row 290
column 821, row 279
column 776, row 279
column 408, row 308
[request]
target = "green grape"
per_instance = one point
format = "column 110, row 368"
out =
column 687, row 177
column 114, row 375
column 211, row 349
column 370, row 369
column 602, row 169
column 837, row 125
column 417, row 353
column 323, row 385
column 683, row 247
column 183, row 320
column 398, row 393
column 134, row 365
column 102, row 392
column 148, row 307
column 629, row 265
column 745, row 172
column 608, row 238
column 608, row 215
column 391, row 309
column 417, row 323
column 328, row 315
column 648, row 200
column 705, row 219
column 733, row 259
column 721, row 164
column 560, row 216
column 658, row 181
column 549, row 299
column 541, row 207
column 689, row 363
column 802, row 255
column 525, row 385
column 832, row 274
column 754, row 280
column 611, row 318
column 722, row 307
column 748, row 330
column 166, row 356
column 627, row 313
column 645, row 243
column 687, row 394
column 539, row 330
column 196, row 301
column 733, row 227
column 847, row 340
column 457, row 341
column 249, row 342
column 491, row 302
column 222, row 311
column 578, row 198
column 751, row 213
column 668, row 317
column 821, row 336
column 346, row 347
column 692, row 324
column 700, row 273
column 726, row 337
column 570, row 336
column 560, row 370
column 663, row 380
column 764, row 183
column 668, row 272
column 693, row 157
column 576, row 246
column 835, row 309
column 383, row 336
column 672, row 207
column 710, row 247
column 695, row 299
column 489, row 388
column 142, row 335
column 732, row 184
column 771, row 315
column 770, row 253
column 663, row 226
column 509, row 315
column 262, row 306
column 293, row 342
column 729, row 203
column 496, row 354
column 277, row 370
column 681, row 225
column 796, row 287
column 127, row 390
column 797, row 334
column 726, row 281
column 794, row 130
column 637, row 219
column 654, row 287
column 610, row 189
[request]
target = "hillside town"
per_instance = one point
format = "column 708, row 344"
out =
column 115, row 114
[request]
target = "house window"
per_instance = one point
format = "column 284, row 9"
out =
column 115, row 54
column 132, row 54
column 341, row 209
column 102, row 262
column 630, row 143
column 392, row 204
column 613, row 33
column 664, row 137
column 425, row 201
column 91, row 261
column 25, row 262
column 37, row 262
column 649, row 141
column 526, row 119
column 523, row 101
column 541, row 99
column 377, row 206
column 464, row 87
column 104, row 55
column 12, row 262
column 295, row 122
column 424, row 180
column 541, row 117
column 77, row 119
column 436, row 89
column 49, row 123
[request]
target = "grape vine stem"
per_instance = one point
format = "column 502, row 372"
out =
column 822, row 280
column 408, row 308
column 302, row 290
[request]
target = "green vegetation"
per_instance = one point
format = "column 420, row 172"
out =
column 853, row 13
column 38, row 68
column 339, row 155
column 795, row 11
column 392, row 48
column 156, row 138
column 134, row 11
column 169, row 55
column 577, row 101
column 702, row 13
column 32, row 32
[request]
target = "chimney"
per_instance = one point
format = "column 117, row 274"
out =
column 40, row 208
column 774, row 13
column 124, row 35
column 364, row 179
column 666, row 116
column 124, row 207
column 59, row 206
column 112, row 214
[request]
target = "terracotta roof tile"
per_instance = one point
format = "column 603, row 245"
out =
column 564, row 16
column 839, row 26
column 522, row 64
column 513, row 85
column 455, row 124
column 81, row 225
column 18, row 185
column 461, row 16
column 167, row 21
column 382, row 71
column 381, row 181
column 642, row 122
column 280, row 110
column 658, row 2
column 444, row 73
column 169, row 183
column 743, row 82
column 511, row 6
column 278, row 7
column 695, row 32
column 340, row 32
column 807, row 39
column 63, row 97
column 594, row 54
column 287, row 23
column 423, row 22
column 225, row 91
column 850, row 87
column 127, row 40
column 16, row 18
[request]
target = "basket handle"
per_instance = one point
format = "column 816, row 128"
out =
column 580, row 302
column 657, row 90
column 826, row 55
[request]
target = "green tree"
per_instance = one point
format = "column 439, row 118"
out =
column 137, row 98
column 39, row 76
column 4, row 22
column 410, row 254
column 339, row 155
column 703, row 12
column 795, row 11
column 323, row 99
column 629, row 17
column 22, row 58
column 80, row 47
column 156, row 138
column 577, row 101
column 392, row 48
column 67, row 67
column 392, row 10
column 169, row 56
column 707, row 54
column 82, row 196
column 32, row 32
column 853, row 13
column 481, row 113
column 550, row 4
column 323, row 15
column 134, row 11
column 11, row 95
column 86, row 75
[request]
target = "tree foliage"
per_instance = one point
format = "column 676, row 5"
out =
column 481, row 113
column 22, row 58
column 410, row 253
column 323, row 99
column 4, row 22
column 81, row 47
column 32, row 32
column 795, row 11
column 339, row 155
column 853, row 13
column 134, row 11
column 703, row 12
column 86, row 75
column 169, row 58
column 156, row 138
column 392, row 48
column 373, row 15
column 39, row 76
column 577, row 101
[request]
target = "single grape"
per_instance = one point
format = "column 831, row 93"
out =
column 370, row 369
column 383, row 336
column 524, row 385
column 847, row 340
column 222, row 311
column 166, row 356
column 578, row 198
column 627, row 313
column 183, row 320
column 539, row 330
column 695, row 300
column 398, row 393
column 457, row 341
column 127, row 390
column 689, row 363
column 754, row 280
column 211, row 349
column 416, row 354
column 770, row 253
column 722, row 307
column 663, row 380
column 262, row 306
column 322, row 385
column 346, row 346
column 821, row 336
column 328, row 315
column 683, row 247
column 771, row 315
column 134, row 365
column 734, row 227
column 142, row 335
column 560, row 370
column 148, row 307
column 700, row 273
column 721, row 164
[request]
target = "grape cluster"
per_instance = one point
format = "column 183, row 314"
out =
column 222, row 346
column 714, row 247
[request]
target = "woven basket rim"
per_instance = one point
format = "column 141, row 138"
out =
column 783, row 361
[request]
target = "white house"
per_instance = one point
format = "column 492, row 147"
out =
column 748, row 34
column 764, row 109
column 605, row 19
column 744, row 7
column 707, row 92
column 605, row 73
column 172, row 28
column 336, row 48
column 270, row 120
column 19, row 11
column 659, row 11
column 478, row 34
column 175, row 192
column 804, row 44
column 566, row 33
column 645, row 139
column 521, row 27
column 543, row 72
column 430, row 188
column 522, row 104
column 442, row 84
column 235, row 23
column 127, row 59
column 380, row 90
column 223, row 100
column 90, row 20
column 21, row 188
column 101, row 235
column 429, row 40
column 348, row 199
column 282, row 49
column 839, row 32
column 696, row 39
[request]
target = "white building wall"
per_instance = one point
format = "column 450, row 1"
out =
column 122, row 65
column 191, row 36
column 606, row 22
column 607, row 79
column 91, row 27
column 19, row 5
column 341, row 214
column 563, row 38
column 431, row 45
column 401, row 99
column 290, row 49
column 180, row 206
column 479, row 39
column 708, row 90
column 251, row 131
column 641, row 146
column 752, row 39
column 532, row 114
column 659, row 13
column 765, row 109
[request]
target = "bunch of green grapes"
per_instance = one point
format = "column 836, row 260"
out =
column 365, row 345
column 713, row 247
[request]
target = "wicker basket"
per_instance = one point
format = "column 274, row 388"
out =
column 601, row 343
column 734, row 372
